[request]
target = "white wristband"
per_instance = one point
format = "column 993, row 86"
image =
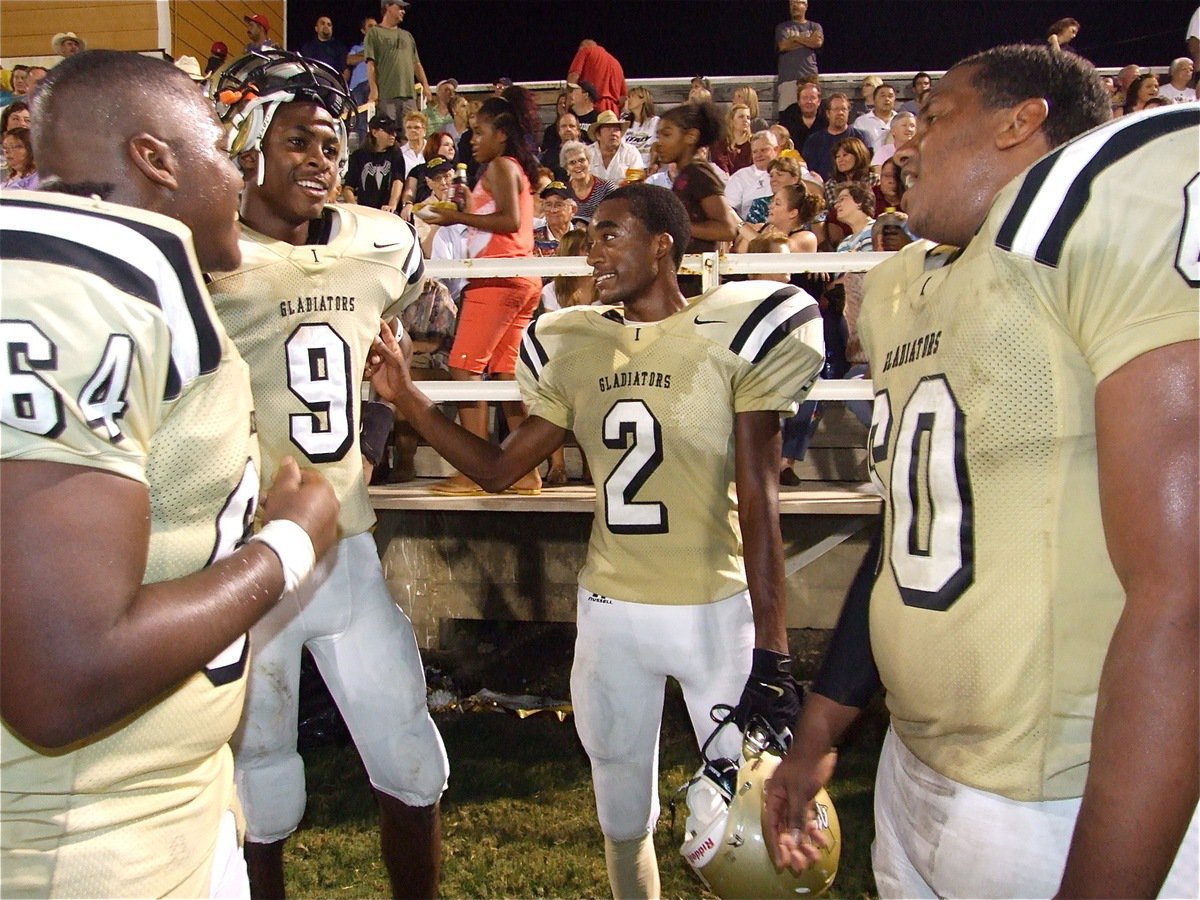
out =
column 294, row 548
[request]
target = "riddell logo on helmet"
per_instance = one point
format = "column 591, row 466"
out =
column 822, row 816
column 701, row 852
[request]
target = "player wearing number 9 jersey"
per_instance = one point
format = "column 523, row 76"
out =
column 303, row 309
column 128, row 484
column 1034, row 614
column 677, row 407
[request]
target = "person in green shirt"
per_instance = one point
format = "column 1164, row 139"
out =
column 393, row 66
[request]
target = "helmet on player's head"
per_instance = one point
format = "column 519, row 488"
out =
column 251, row 90
column 723, row 841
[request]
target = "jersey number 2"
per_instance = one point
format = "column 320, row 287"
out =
column 932, row 539
column 631, row 426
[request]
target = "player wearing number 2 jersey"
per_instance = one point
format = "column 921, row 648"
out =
column 128, row 484
column 1034, row 613
column 676, row 406
column 303, row 309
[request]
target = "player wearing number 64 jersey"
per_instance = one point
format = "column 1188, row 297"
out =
column 303, row 309
column 128, row 485
column 676, row 406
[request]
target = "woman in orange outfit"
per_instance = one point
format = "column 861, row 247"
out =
column 495, row 311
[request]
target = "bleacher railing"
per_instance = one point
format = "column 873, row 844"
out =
column 709, row 266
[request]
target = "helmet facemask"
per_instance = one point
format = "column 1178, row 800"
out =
column 252, row 89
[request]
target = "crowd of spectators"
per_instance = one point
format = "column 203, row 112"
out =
column 808, row 177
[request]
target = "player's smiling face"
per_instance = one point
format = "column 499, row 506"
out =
column 300, row 164
column 621, row 253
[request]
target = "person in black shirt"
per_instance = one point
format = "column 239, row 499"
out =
column 375, row 176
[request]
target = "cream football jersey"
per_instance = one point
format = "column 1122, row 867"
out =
column 115, row 360
column 304, row 317
column 996, row 598
column 653, row 406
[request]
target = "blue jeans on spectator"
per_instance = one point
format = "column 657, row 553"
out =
column 862, row 409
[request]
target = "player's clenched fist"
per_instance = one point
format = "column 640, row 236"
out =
column 305, row 498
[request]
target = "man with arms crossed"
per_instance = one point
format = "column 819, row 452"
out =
column 129, row 446
column 1034, row 615
column 304, row 308
column 677, row 408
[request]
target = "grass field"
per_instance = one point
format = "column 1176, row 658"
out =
column 518, row 818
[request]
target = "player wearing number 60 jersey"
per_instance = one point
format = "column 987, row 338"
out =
column 676, row 406
column 128, row 485
column 303, row 309
column 1034, row 611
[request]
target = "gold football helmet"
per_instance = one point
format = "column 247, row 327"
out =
column 724, row 843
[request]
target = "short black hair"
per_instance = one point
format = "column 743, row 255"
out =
column 68, row 115
column 919, row 76
column 124, row 75
column 660, row 211
column 1070, row 85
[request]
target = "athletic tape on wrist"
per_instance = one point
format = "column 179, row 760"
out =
column 294, row 548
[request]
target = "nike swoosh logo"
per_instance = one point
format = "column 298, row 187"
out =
column 379, row 246
column 700, row 321
column 777, row 690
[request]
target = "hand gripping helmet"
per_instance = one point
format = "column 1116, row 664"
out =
column 723, row 841
column 251, row 90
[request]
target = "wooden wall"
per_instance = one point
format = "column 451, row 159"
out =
column 27, row 26
column 195, row 24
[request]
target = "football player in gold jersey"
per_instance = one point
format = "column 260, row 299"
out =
column 1033, row 612
column 129, row 480
column 677, row 407
column 304, row 308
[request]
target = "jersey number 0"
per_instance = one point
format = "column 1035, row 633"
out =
column 932, row 550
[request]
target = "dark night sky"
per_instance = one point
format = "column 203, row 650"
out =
column 479, row 40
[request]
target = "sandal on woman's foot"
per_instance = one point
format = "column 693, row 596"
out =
column 458, row 486
column 528, row 484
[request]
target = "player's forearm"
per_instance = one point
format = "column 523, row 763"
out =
column 1142, row 785
column 76, row 683
column 822, row 725
column 765, row 572
column 480, row 460
column 757, row 443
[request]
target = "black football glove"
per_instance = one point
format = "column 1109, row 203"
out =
column 771, row 693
